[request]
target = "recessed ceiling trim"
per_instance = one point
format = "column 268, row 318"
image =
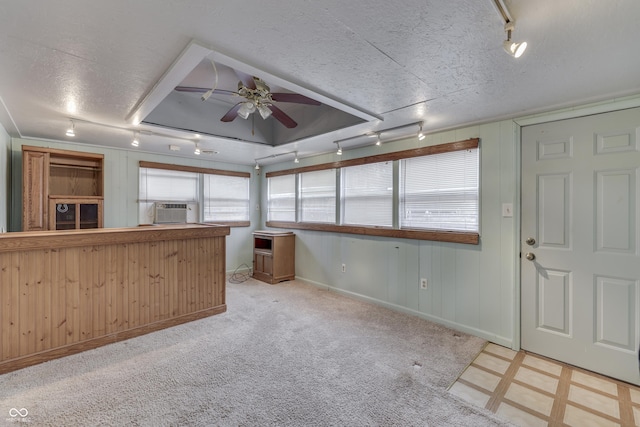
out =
column 181, row 67
column 234, row 63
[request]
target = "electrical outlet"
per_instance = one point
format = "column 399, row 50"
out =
column 423, row 283
column 344, row 268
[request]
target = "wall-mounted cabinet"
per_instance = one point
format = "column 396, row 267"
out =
column 274, row 256
column 59, row 184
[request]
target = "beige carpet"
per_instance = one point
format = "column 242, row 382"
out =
column 286, row 355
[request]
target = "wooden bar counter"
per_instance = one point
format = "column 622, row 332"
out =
column 62, row 292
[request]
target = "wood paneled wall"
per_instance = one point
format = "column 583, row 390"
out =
column 58, row 301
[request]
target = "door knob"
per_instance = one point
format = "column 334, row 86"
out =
column 530, row 256
column 530, row 241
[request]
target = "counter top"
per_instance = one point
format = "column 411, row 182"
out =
column 26, row 240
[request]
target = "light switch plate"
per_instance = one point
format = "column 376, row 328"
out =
column 507, row 210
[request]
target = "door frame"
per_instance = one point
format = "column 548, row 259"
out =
column 615, row 104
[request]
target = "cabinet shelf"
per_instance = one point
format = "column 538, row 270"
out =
column 50, row 177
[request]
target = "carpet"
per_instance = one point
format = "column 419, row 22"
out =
column 289, row 354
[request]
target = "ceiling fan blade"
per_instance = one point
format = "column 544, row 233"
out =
column 282, row 117
column 294, row 97
column 203, row 90
column 232, row 113
column 246, row 79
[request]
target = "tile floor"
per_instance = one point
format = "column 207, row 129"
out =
column 529, row 390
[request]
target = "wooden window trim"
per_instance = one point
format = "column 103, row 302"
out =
column 387, row 157
column 195, row 169
column 433, row 235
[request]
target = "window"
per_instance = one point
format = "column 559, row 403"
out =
column 426, row 193
column 226, row 198
column 161, row 185
column 440, row 192
column 367, row 194
column 213, row 195
column 281, row 199
column 318, row 196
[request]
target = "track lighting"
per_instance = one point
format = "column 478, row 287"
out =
column 512, row 48
column 295, row 160
column 257, row 167
column 339, row 152
column 378, row 140
column 135, row 142
column 197, row 150
column 72, row 129
column 420, row 133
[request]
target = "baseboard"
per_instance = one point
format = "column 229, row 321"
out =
column 496, row 339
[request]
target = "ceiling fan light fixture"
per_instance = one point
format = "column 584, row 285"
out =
column 71, row 130
column 264, row 111
column 245, row 109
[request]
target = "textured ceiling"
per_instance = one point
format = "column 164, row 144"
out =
column 401, row 62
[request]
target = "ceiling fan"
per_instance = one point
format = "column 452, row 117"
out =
column 258, row 97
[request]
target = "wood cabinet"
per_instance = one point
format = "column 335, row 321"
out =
column 52, row 177
column 274, row 256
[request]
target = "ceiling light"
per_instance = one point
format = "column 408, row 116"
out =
column 246, row 108
column 135, row 141
column 295, row 160
column 71, row 131
column 257, row 167
column 420, row 133
column 264, row 111
column 197, row 150
column 339, row 152
column 378, row 141
column 512, row 48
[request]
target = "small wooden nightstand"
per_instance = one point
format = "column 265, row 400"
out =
column 274, row 256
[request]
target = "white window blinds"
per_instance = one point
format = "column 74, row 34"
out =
column 162, row 185
column 440, row 191
column 281, row 198
column 318, row 196
column 367, row 194
column 226, row 198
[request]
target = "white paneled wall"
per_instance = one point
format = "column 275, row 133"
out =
column 470, row 288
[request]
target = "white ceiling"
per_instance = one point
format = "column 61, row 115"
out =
column 435, row 61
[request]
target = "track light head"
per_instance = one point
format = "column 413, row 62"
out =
column 296, row 160
column 512, row 48
column 72, row 129
column 378, row 140
column 197, row 150
column 135, row 142
column 420, row 133
column 339, row 152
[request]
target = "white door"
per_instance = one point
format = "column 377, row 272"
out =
column 580, row 266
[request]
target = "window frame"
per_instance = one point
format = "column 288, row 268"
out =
column 463, row 237
column 201, row 170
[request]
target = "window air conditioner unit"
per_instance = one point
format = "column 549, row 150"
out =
column 170, row 213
